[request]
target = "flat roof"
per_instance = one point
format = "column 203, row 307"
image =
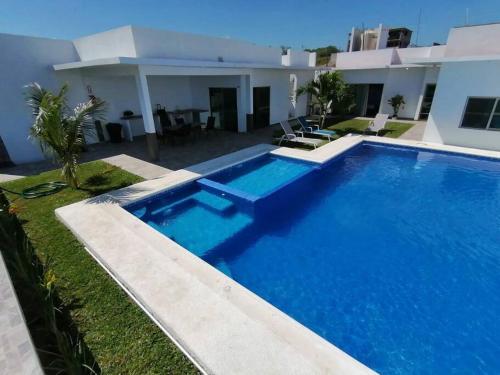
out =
column 477, row 24
column 393, row 66
column 450, row 59
column 119, row 60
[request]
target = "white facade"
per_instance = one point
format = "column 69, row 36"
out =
column 468, row 66
column 137, row 68
column 457, row 82
column 390, row 67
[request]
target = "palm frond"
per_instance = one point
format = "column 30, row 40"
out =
column 59, row 130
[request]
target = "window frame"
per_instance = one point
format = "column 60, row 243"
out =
column 497, row 101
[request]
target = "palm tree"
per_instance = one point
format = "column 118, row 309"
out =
column 329, row 89
column 59, row 130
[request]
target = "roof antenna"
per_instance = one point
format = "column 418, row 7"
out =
column 466, row 16
column 418, row 27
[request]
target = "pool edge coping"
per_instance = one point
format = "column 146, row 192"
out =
column 161, row 248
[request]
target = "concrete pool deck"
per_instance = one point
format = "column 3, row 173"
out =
column 220, row 325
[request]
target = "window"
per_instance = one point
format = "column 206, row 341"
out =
column 482, row 113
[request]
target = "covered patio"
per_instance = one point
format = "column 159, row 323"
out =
column 143, row 86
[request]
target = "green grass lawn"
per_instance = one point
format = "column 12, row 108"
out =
column 392, row 129
column 120, row 336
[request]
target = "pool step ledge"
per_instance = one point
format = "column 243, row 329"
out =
column 228, row 192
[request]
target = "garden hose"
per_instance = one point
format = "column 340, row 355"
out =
column 40, row 190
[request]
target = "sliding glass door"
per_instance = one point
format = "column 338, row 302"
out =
column 223, row 106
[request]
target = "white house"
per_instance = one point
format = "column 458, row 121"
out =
column 138, row 69
column 455, row 86
column 379, row 71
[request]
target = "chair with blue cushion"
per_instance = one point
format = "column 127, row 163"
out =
column 314, row 129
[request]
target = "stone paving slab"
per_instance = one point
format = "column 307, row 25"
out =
column 136, row 166
column 17, row 352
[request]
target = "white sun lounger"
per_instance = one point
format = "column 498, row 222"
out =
column 378, row 123
column 290, row 136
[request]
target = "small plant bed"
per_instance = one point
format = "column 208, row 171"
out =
column 392, row 129
column 118, row 334
column 285, row 143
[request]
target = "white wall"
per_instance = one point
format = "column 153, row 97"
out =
column 405, row 81
column 120, row 94
column 402, row 54
column 279, row 81
column 473, row 40
column 456, row 82
column 116, row 42
column 170, row 44
column 430, row 77
column 384, row 57
column 170, row 91
column 132, row 41
column 298, row 58
column 365, row 59
column 24, row 60
column 365, row 76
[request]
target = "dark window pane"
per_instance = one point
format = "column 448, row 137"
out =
column 477, row 112
column 495, row 122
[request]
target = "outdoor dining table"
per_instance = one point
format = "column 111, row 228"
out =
column 194, row 111
column 196, row 123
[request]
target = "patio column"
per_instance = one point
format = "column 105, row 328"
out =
column 147, row 114
column 243, row 103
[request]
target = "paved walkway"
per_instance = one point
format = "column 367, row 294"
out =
column 17, row 353
column 416, row 132
column 172, row 156
column 138, row 167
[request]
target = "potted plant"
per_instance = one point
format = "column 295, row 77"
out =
column 397, row 102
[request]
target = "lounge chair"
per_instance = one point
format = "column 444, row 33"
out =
column 378, row 123
column 314, row 129
column 290, row 136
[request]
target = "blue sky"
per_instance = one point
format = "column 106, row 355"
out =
column 297, row 23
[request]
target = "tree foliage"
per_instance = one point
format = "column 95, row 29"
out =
column 323, row 54
column 60, row 130
column 331, row 93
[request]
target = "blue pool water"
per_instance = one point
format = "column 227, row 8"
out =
column 393, row 255
column 262, row 175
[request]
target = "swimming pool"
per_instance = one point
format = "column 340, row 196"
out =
column 391, row 254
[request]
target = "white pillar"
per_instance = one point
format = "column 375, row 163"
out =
column 147, row 113
column 243, row 101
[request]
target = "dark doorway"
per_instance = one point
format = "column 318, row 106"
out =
column 261, row 106
column 425, row 109
column 374, row 99
column 223, row 105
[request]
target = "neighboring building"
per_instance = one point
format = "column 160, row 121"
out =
column 139, row 69
column 378, row 38
column 455, row 86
